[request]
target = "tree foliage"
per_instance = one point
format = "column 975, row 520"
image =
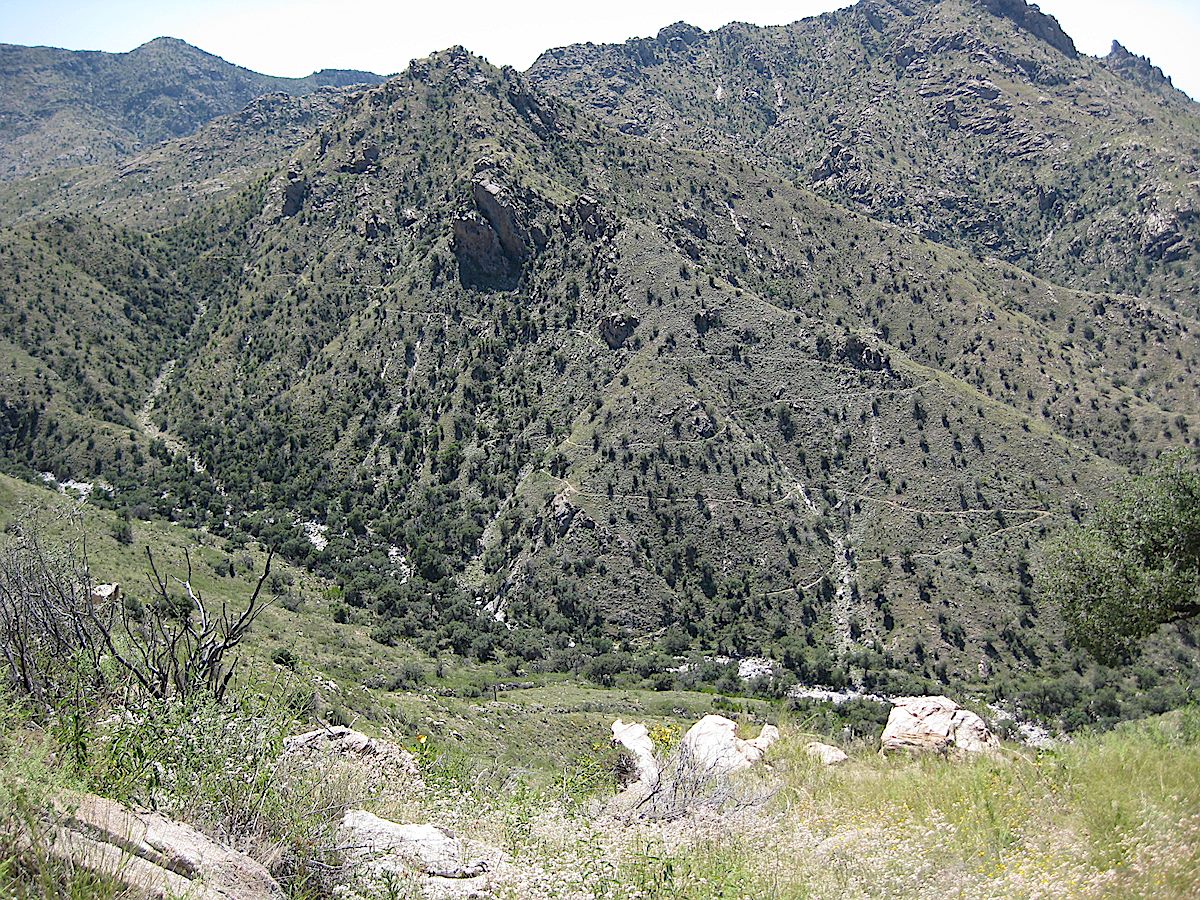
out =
column 1135, row 566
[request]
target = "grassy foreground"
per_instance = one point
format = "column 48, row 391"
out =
column 1113, row 815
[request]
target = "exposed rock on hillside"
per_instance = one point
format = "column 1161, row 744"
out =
column 1135, row 68
column 294, row 192
column 379, row 853
column 155, row 856
column 935, row 724
column 617, row 328
column 1030, row 18
column 826, row 754
column 378, row 757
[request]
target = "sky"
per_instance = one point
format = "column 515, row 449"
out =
column 299, row 36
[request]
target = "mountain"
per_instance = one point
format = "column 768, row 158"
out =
column 172, row 181
column 64, row 108
column 605, row 355
column 972, row 122
column 586, row 379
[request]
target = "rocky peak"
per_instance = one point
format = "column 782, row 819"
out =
column 1029, row 17
column 680, row 36
column 1135, row 68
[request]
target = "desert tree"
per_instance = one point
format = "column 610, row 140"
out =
column 1134, row 566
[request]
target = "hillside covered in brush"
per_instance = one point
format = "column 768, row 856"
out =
column 792, row 341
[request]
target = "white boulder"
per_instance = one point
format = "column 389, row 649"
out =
column 826, row 754
column 635, row 738
column 383, row 846
column 712, row 745
column 155, row 856
column 936, row 724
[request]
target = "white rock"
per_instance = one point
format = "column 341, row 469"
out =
column 635, row 738
column 713, row 745
column 316, row 534
column 827, row 754
column 384, row 757
column 755, row 667
column 384, row 846
column 154, row 855
column 104, row 593
column 935, row 724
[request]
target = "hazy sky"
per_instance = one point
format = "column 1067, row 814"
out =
column 299, row 36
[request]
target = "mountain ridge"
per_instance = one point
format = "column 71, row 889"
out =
column 65, row 108
column 556, row 369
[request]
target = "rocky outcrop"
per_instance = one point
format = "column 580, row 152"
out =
column 590, row 216
column 680, row 36
column 1164, row 238
column 383, row 758
column 935, row 724
column 713, row 746
column 542, row 118
column 826, row 754
column 498, row 206
column 617, row 328
column 154, row 856
column 363, row 159
column 503, row 228
column 699, row 422
column 1137, row 69
column 1028, row 17
column 481, row 259
column 635, row 738
column 850, row 349
column 294, row 194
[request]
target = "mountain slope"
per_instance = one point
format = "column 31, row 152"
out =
column 523, row 378
column 63, row 108
column 173, row 181
column 88, row 313
column 600, row 386
column 973, row 122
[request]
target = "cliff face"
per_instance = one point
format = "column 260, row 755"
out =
column 1029, row 17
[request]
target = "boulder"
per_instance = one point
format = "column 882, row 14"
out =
column 713, row 746
column 696, row 776
column 936, row 724
column 635, row 738
column 103, row 594
column 153, row 855
column 383, row 757
column 826, row 754
column 381, row 856
column 386, row 846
